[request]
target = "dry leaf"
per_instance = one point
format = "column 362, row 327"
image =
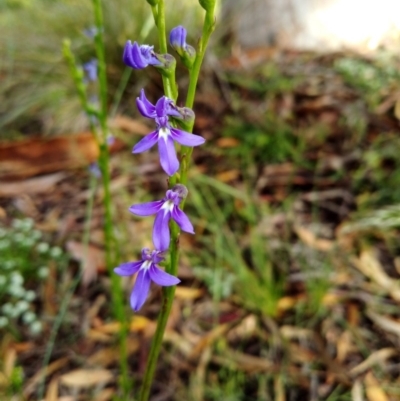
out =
column 369, row 264
column 138, row 323
column 47, row 370
column 295, row 333
column 387, row 324
column 208, row 339
column 357, row 391
column 288, row 302
column 279, row 389
column 38, row 155
column 31, row 186
column 96, row 335
column 91, row 257
column 187, row 293
column 344, row 345
column 129, row 124
column 82, row 378
column 310, row 239
column 52, row 390
column 376, row 358
column 245, row 362
column 10, row 358
column 228, row 143
column 373, row 390
column 244, row 329
column 228, row 176
column 106, row 394
column 110, row 355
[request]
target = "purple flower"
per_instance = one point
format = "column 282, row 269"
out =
column 138, row 57
column 90, row 69
column 165, row 134
column 148, row 271
column 164, row 210
column 177, row 38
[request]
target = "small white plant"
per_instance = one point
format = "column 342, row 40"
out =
column 25, row 257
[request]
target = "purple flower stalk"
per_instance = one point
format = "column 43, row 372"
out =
column 148, row 271
column 139, row 56
column 164, row 210
column 165, row 134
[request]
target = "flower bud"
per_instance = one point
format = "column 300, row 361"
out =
column 177, row 39
column 180, row 190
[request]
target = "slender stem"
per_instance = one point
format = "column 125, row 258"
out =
column 208, row 28
column 100, row 52
column 104, row 164
column 168, row 83
column 120, row 90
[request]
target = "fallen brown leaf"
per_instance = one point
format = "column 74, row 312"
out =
column 40, row 155
column 373, row 389
column 43, row 373
column 91, row 257
column 52, row 390
column 376, row 358
column 310, row 239
column 82, row 378
column 31, row 186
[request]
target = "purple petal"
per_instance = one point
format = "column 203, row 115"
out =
column 177, row 37
column 127, row 269
column 137, row 57
column 169, row 161
column 186, row 139
column 128, row 56
column 161, row 235
column 140, row 290
column 146, row 143
column 182, row 220
column 146, row 209
column 160, row 277
column 163, row 106
column 144, row 106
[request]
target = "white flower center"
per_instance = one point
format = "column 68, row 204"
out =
column 145, row 265
column 167, row 206
column 164, row 133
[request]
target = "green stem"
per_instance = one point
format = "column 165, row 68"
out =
column 100, row 53
column 104, row 164
column 168, row 82
column 208, row 28
column 120, row 90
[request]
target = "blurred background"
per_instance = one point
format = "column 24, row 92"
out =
column 290, row 288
